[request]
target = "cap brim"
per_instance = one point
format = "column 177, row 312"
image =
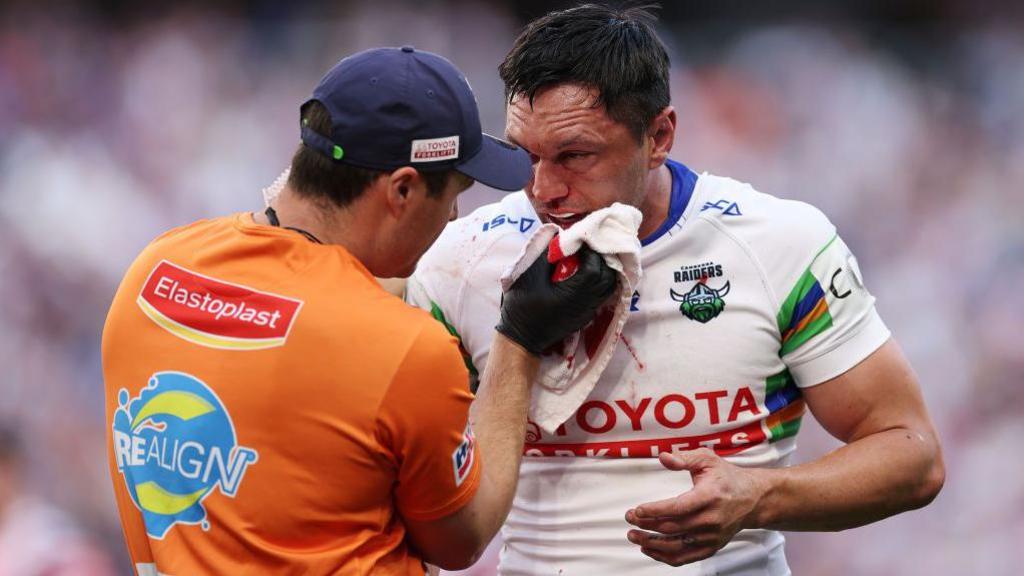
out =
column 499, row 165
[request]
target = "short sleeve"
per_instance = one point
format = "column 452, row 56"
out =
column 827, row 321
column 437, row 293
column 424, row 422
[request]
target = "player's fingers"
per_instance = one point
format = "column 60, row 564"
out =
column 673, row 550
column 663, row 525
column 675, row 507
column 680, row 559
column 673, row 543
column 691, row 460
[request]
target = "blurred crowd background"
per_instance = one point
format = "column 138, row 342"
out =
column 903, row 121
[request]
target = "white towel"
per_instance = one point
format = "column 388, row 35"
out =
column 271, row 192
column 568, row 377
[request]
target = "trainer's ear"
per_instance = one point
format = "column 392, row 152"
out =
column 403, row 185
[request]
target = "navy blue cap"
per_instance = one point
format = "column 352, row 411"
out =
column 394, row 107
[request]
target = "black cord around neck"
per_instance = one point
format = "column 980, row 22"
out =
column 272, row 217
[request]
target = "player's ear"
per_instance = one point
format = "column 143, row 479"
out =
column 401, row 186
column 661, row 134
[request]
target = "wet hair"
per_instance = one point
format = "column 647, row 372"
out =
column 319, row 178
column 613, row 50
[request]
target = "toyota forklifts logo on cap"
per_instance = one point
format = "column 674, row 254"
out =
column 173, row 445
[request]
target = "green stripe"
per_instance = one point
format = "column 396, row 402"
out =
column 802, row 287
column 786, row 429
column 776, row 382
column 816, row 327
column 438, row 314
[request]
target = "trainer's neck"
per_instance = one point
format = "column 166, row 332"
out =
column 329, row 225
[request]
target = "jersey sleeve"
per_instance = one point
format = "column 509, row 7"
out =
column 826, row 318
column 424, row 423
column 437, row 290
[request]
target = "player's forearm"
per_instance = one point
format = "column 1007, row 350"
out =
column 499, row 422
column 872, row 478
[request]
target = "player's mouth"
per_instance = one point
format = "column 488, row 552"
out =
column 565, row 219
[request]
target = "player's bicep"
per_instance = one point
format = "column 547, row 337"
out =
column 878, row 394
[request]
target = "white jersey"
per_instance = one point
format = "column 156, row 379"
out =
column 745, row 299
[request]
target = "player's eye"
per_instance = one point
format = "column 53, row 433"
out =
column 574, row 157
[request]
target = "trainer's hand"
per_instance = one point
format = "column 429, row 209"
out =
column 696, row 524
column 536, row 313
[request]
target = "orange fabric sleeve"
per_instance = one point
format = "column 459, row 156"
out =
column 424, row 422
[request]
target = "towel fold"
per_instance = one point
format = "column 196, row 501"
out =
column 568, row 376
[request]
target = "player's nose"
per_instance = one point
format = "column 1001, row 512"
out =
column 547, row 184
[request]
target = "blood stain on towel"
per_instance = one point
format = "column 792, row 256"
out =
column 593, row 334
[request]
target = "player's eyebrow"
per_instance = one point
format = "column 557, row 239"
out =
column 574, row 140
column 512, row 140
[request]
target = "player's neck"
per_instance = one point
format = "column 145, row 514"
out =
column 656, row 201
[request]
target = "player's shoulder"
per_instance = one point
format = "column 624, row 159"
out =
column 513, row 214
column 764, row 222
column 510, row 221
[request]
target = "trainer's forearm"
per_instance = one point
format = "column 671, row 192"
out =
column 499, row 421
column 872, row 478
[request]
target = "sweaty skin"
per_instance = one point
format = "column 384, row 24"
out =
column 891, row 463
column 583, row 160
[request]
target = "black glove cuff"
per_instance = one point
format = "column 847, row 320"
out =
column 518, row 339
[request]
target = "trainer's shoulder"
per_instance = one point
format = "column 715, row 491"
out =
column 769, row 225
column 428, row 340
column 391, row 319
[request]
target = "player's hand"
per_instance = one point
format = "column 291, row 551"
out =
column 537, row 313
column 696, row 524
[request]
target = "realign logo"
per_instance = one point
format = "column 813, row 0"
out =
column 173, row 444
column 215, row 313
column 702, row 303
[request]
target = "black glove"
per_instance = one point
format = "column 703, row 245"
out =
column 538, row 313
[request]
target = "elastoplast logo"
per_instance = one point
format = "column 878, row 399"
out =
column 174, row 444
column 214, row 313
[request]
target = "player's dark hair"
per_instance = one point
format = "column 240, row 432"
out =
column 317, row 177
column 613, row 50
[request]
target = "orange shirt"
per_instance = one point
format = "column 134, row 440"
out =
column 271, row 410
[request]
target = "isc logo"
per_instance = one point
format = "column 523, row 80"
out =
column 524, row 223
